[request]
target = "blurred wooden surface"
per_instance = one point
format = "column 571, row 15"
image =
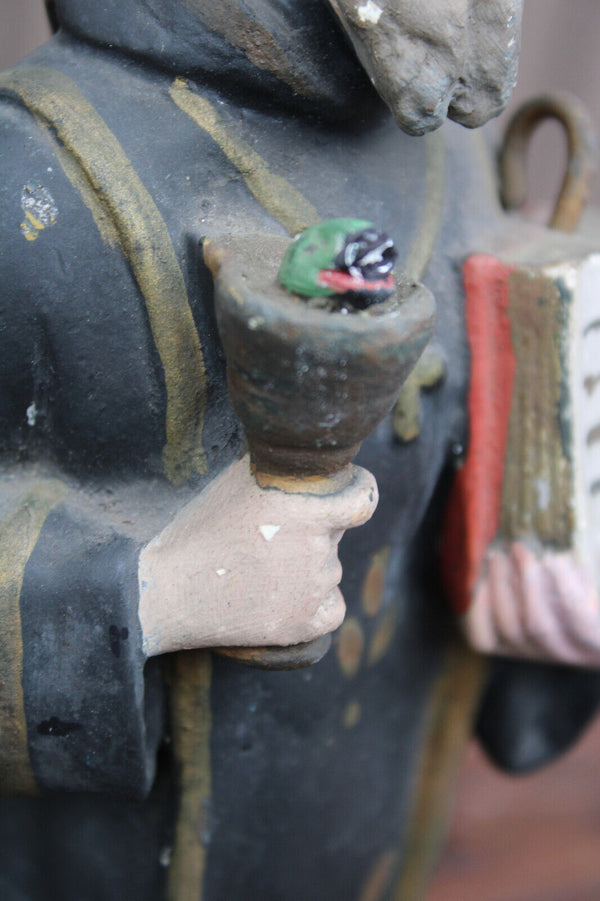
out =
column 530, row 838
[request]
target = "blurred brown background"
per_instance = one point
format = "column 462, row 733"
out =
column 530, row 838
column 23, row 27
column 536, row 838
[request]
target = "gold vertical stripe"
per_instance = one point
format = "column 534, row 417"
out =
column 448, row 725
column 191, row 725
column 274, row 193
column 422, row 247
column 55, row 101
column 19, row 532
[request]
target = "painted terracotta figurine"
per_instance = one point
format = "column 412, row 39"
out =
column 158, row 157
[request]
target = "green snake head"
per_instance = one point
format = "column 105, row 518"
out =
column 344, row 257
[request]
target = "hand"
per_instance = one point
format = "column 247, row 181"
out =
column 247, row 566
column 542, row 605
column 429, row 60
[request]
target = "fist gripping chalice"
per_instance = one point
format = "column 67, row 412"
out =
column 319, row 338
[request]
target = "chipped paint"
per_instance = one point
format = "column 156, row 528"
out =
column 269, row 532
column 164, row 858
column 39, row 209
column 370, row 13
column 31, row 414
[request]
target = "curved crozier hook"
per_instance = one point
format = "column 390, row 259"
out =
column 582, row 155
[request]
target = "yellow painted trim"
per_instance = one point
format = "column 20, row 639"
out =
column 19, row 532
column 423, row 245
column 116, row 188
column 448, row 725
column 429, row 372
column 373, row 588
column 274, row 193
column 191, row 726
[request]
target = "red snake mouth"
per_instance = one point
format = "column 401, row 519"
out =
column 342, row 282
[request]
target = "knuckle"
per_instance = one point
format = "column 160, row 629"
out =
column 328, row 615
column 473, row 109
column 318, row 549
column 329, row 578
column 422, row 104
column 335, row 536
column 334, row 571
column 415, row 120
column 361, row 500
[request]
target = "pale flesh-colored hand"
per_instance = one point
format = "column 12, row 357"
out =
column 535, row 603
column 429, row 60
column 247, row 566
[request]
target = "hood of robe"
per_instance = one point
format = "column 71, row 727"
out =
column 293, row 51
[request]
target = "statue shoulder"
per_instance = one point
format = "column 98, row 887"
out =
column 27, row 164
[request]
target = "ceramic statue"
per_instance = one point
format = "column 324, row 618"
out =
column 195, row 456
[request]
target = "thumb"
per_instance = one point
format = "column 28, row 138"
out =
column 355, row 504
